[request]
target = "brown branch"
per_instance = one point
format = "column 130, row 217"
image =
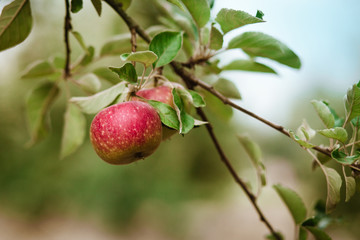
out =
column 67, row 29
column 233, row 173
column 197, row 82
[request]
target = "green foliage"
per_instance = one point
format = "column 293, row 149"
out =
column 254, row 152
column 177, row 3
column 74, row 130
column 197, row 99
column 90, row 83
column 337, row 133
column 257, row 44
column 38, row 106
column 199, row 10
column 40, row 68
column 350, row 187
column 167, row 114
column 343, row 158
column 293, row 202
column 166, row 46
column 216, row 39
column 106, row 74
column 97, row 5
column 126, row 73
column 230, row 19
column 248, row 65
column 15, row 23
column 352, row 102
column 318, row 233
column 76, row 5
column 186, row 121
column 145, row 57
column 227, row 88
column 334, row 182
column 93, row 104
column 324, row 113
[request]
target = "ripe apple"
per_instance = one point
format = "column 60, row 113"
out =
column 162, row 94
column 126, row 132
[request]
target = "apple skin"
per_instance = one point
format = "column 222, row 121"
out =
column 126, row 132
column 162, row 94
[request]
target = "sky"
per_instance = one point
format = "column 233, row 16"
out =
column 323, row 33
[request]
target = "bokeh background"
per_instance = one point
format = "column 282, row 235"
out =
column 183, row 191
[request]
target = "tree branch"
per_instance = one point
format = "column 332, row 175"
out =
column 67, row 29
column 197, row 82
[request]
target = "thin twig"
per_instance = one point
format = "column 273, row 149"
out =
column 233, row 173
column 67, row 29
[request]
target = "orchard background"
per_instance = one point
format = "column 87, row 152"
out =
column 182, row 191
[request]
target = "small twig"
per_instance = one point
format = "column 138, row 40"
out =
column 67, row 29
column 233, row 173
column 133, row 42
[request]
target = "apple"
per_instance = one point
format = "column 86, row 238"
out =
column 162, row 94
column 126, row 132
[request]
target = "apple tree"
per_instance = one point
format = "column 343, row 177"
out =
column 167, row 78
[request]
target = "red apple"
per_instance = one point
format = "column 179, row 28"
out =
column 162, row 94
column 126, row 132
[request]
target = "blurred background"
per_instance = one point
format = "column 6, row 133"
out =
column 183, row 191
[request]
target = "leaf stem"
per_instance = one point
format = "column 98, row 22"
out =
column 67, row 29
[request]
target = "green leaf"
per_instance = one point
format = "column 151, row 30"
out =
column 39, row 69
column 248, row 65
column 96, row 102
column 318, row 233
column 350, row 187
column 305, row 132
column 177, row 3
column 185, row 120
column 88, row 56
column 15, row 23
column 198, row 100
column 166, row 46
column 205, row 36
column 97, row 6
column 293, row 201
column 216, row 39
column 76, row 5
column 324, row 113
column 74, row 130
column 227, row 88
column 145, row 57
column 123, row 3
column 337, row 133
column 126, row 73
column 259, row 14
column 334, row 183
column 277, row 237
column 342, row 158
column 257, row 44
column 352, row 102
column 230, row 19
column 303, row 233
column 106, row 74
column 116, row 46
column 338, row 121
column 38, row 105
column 167, row 114
column 90, row 83
column 199, row 10
column 59, row 62
column 300, row 141
column 217, row 107
column 80, row 40
column 356, row 121
column 254, row 152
